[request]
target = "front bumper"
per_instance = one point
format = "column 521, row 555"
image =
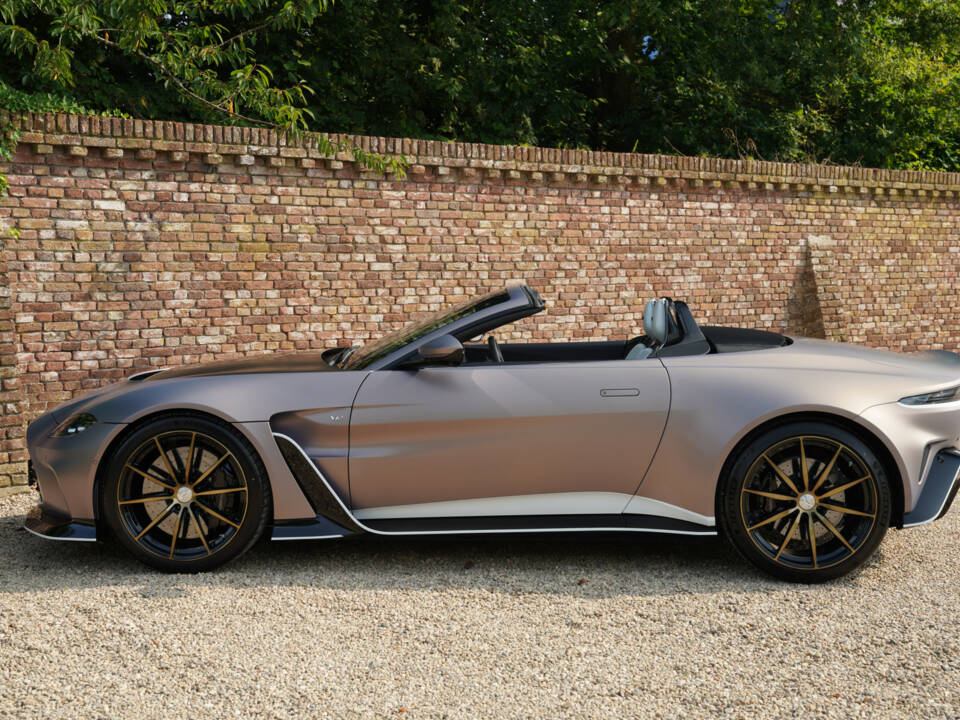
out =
column 53, row 526
column 939, row 490
column 64, row 467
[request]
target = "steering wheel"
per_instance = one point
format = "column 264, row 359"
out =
column 495, row 354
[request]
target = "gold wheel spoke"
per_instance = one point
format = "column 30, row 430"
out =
column 176, row 532
column 829, row 525
column 781, row 474
column 161, row 516
column 149, row 477
column 827, row 470
column 166, row 460
column 813, row 539
column 793, row 527
column 775, row 496
column 196, row 524
column 849, row 511
column 186, row 472
column 139, row 501
column 216, row 514
column 209, row 470
column 803, row 466
column 843, row 487
column 221, row 492
column 771, row 519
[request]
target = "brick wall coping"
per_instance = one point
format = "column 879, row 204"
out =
column 218, row 145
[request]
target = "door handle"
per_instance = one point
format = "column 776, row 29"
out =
column 619, row 392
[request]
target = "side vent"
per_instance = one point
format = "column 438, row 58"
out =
column 314, row 486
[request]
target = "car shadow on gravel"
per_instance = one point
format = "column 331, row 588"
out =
column 594, row 565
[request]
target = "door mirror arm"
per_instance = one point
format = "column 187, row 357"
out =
column 443, row 350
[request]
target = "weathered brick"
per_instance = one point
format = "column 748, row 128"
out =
column 249, row 256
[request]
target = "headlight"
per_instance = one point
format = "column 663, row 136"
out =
column 940, row 396
column 75, row 424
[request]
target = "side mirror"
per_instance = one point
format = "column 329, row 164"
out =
column 444, row 350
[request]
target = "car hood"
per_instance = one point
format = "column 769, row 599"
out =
column 311, row 361
column 930, row 364
column 895, row 374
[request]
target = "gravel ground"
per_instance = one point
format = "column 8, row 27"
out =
column 572, row 626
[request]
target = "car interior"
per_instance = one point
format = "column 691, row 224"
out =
column 669, row 330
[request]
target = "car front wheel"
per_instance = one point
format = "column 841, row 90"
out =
column 185, row 494
column 806, row 502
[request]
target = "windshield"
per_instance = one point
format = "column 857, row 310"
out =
column 357, row 358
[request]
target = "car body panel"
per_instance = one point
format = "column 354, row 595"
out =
column 66, row 467
column 916, row 434
column 324, row 435
column 247, row 400
column 718, row 399
column 554, row 503
column 443, row 434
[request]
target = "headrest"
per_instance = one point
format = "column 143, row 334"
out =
column 658, row 322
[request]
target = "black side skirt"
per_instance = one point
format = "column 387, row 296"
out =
column 534, row 523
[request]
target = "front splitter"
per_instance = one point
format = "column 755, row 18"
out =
column 51, row 526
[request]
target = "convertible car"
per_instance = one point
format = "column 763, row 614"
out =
column 799, row 452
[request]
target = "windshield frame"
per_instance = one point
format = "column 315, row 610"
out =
column 463, row 320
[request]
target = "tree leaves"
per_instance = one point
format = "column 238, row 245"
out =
column 201, row 52
column 875, row 83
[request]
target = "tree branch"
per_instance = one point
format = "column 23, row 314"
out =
column 184, row 89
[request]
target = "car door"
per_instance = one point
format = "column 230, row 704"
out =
column 510, row 439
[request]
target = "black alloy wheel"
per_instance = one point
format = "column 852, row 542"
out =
column 186, row 494
column 805, row 502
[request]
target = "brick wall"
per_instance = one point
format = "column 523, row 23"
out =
column 151, row 244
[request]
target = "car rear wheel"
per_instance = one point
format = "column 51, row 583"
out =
column 806, row 502
column 185, row 494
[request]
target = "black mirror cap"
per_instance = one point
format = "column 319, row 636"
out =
column 444, row 350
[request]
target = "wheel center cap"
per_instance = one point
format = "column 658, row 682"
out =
column 184, row 495
column 807, row 502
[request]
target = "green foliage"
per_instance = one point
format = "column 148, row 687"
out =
column 8, row 141
column 9, row 137
column 854, row 82
column 874, row 82
column 188, row 59
column 14, row 100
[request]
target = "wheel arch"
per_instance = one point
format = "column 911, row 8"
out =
column 866, row 434
column 121, row 436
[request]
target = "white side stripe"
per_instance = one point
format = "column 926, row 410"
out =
column 648, row 506
column 567, row 503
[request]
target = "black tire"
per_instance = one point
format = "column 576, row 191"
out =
column 805, row 527
column 202, row 502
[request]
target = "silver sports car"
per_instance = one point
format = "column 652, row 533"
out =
column 799, row 452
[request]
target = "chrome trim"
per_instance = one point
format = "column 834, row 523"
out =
column 475, row 532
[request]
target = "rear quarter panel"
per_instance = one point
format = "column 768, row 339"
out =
column 718, row 399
